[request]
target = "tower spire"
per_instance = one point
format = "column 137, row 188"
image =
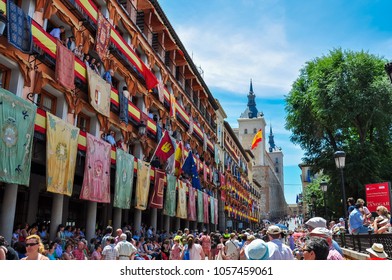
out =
column 271, row 141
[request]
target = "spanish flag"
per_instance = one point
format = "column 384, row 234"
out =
column 257, row 139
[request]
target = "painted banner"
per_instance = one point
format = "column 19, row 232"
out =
column 142, row 184
column 191, row 204
column 65, row 66
column 216, row 211
column 99, row 92
column 17, row 119
column 159, row 184
column 200, row 212
column 169, row 208
column 205, row 208
column 378, row 194
column 103, row 36
column 61, row 152
column 181, row 202
column 124, row 180
column 96, row 181
column 212, row 210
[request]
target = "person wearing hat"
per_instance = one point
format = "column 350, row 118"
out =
column 257, row 250
column 327, row 236
column 277, row 249
column 377, row 252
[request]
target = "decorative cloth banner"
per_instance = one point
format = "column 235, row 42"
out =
column 191, row 204
column 19, row 28
column 96, row 181
column 178, row 156
column 103, row 36
column 65, row 66
column 142, row 184
column 169, row 208
column 99, row 91
column 200, row 213
column 205, row 212
column 181, row 203
column 159, row 184
column 17, row 118
column 216, row 211
column 61, row 152
column 212, row 210
column 124, row 180
column 123, row 107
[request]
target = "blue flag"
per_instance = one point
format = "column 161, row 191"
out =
column 189, row 167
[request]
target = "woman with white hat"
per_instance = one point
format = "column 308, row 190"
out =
column 377, row 252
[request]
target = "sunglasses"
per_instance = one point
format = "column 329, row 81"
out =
column 31, row 244
column 307, row 250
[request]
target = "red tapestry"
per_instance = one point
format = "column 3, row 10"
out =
column 96, row 181
column 216, row 211
column 205, row 208
column 65, row 66
column 103, row 36
column 191, row 204
column 157, row 195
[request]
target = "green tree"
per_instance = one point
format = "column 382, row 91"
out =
column 342, row 101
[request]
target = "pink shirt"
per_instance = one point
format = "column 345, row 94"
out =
column 176, row 252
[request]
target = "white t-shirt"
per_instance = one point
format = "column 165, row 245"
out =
column 194, row 252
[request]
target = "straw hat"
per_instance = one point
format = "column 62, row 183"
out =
column 377, row 250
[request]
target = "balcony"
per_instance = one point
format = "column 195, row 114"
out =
column 129, row 9
column 144, row 29
column 157, row 47
column 169, row 63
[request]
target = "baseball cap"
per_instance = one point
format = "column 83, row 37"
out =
column 274, row 230
column 316, row 222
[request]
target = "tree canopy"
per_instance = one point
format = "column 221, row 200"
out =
column 342, row 101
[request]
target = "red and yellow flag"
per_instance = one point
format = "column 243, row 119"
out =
column 165, row 147
column 257, row 139
column 178, row 159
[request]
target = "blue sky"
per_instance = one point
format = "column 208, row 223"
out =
column 269, row 41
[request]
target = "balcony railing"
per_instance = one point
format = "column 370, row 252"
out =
column 129, row 8
column 169, row 63
column 157, row 47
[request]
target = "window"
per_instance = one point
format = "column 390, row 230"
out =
column 83, row 122
column 5, row 75
column 47, row 102
column 276, row 160
column 277, row 169
column 246, row 131
column 254, row 130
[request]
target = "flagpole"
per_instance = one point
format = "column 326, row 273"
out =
column 153, row 155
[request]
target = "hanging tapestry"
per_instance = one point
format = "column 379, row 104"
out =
column 99, row 91
column 142, row 184
column 124, row 180
column 169, row 208
column 191, row 204
column 123, row 107
column 159, row 184
column 200, row 213
column 212, row 210
column 216, row 211
column 65, row 66
column 96, row 181
column 17, row 118
column 205, row 204
column 19, row 28
column 103, row 36
column 61, row 152
column 161, row 92
column 181, row 202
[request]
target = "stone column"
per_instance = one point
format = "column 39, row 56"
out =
column 221, row 216
column 91, row 219
column 154, row 218
column 7, row 217
column 178, row 224
column 137, row 220
column 33, row 198
column 117, row 215
column 187, row 224
column 57, row 214
column 166, row 225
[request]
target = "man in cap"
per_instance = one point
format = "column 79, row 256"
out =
column 257, row 250
column 327, row 236
column 315, row 222
column 277, row 249
column 377, row 252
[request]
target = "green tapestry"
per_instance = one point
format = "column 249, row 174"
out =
column 169, row 208
column 200, row 210
column 212, row 210
column 124, row 180
column 17, row 117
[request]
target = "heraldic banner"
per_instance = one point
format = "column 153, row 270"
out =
column 181, row 204
column 205, row 212
column 65, row 66
column 200, row 213
column 61, row 151
column 191, row 204
column 99, row 92
column 124, row 180
column 159, row 184
column 212, row 210
column 142, row 184
column 17, row 117
column 170, row 198
column 103, row 36
column 96, row 181
column 216, row 211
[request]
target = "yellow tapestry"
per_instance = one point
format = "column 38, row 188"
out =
column 61, row 151
column 142, row 184
column 99, row 91
column 181, row 203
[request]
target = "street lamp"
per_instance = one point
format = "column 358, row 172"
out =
column 324, row 188
column 313, row 198
column 340, row 159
